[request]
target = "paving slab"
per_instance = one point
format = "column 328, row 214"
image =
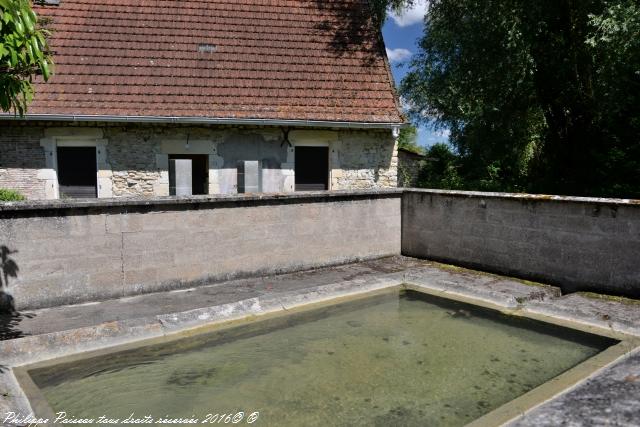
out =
column 617, row 314
column 502, row 291
column 609, row 397
column 43, row 321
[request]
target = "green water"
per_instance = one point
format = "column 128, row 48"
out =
column 387, row 360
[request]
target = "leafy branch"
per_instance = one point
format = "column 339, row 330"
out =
column 24, row 53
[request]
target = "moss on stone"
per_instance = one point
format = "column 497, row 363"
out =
column 610, row 298
column 458, row 269
column 531, row 283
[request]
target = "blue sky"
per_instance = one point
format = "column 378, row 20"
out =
column 401, row 34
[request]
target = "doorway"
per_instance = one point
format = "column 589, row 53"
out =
column 199, row 172
column 312, row 168
column 77, row 172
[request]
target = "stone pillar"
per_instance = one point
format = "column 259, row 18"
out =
column 393, row 167
column 335, row 170
column 216, row 163
column 49, row 174
column 288, row 171
column 161, row 186
column 181, row 177
column 105, row 174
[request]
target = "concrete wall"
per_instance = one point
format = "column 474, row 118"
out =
column 69, row 252
column 66, row 252
column 133, row 160
column 576, row 243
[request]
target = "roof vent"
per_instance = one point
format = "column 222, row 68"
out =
column 48, row 2
column 206, row 48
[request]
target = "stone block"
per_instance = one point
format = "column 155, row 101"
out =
column 555, row 240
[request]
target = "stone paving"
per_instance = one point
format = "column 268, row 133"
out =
column 609, row 397
column 37, row 322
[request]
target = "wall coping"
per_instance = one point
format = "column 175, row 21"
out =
column 271, row 198
column 526, row 197
column 186, row 202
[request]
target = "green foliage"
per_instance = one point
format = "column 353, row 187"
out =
column 440, row 169
column 408, row 140
column 23, row 54
column 540, row 96
column 443, row 169
column 10, row 196
column 379, row 8
column 614, row 44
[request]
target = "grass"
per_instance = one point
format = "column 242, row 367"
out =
column 7, row 195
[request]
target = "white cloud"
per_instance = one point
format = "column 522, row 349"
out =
column 410, row 16
column 430, row 137
column 443, row 133
column 404, row 103
column 398, row 55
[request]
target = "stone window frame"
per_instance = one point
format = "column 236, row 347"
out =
column 69, row 137
column 197, row 146
column 178, row 145
column 316, row 138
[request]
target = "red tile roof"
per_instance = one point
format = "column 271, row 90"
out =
column 273, row 59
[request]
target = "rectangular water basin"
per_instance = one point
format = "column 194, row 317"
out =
column 390, row 358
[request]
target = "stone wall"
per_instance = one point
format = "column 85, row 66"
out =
column 70, row 252
column 576, row 243
column 409, row 166
column 131, row 154
column 364, row 160
column 133, row 159
column 74, row 251
column 21, row 157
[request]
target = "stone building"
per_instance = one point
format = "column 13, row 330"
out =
column 410, row 164
column 213, row 97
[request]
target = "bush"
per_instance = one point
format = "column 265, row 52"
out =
column 441, row 169
column 10, row 195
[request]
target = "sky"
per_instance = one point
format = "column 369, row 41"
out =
column 401, row 34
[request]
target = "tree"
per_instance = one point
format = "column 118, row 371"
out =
column 440, row 169
column 380, row 8
column 539, row 96
column 23, row 54
column 408, row 140
column 614, row 43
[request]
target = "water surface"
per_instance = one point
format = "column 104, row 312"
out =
column 396, row 359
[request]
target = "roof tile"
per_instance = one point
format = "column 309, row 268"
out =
column 273, row 59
